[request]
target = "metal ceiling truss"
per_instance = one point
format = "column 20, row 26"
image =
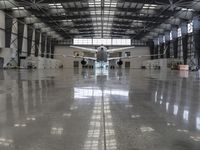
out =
column 136, row 19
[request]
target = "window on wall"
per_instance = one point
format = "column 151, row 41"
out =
column 96, row 42
column 116, row 41
column 171, row 50
column 164, row 40
column 190, row 27
column 171, row 38
column 106, row 41
column 138, row 43
column 158, row 41
column 179, row 32
column 123, row 42
column 180, row 49
column 83, row 41
column 191, row 51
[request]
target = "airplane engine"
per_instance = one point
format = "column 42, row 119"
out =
column 119, row 62
column 84, row 62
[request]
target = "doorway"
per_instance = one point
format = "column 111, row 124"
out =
column 76, row 64
column 127, row 64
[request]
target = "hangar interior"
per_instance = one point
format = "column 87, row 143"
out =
column 55, row 95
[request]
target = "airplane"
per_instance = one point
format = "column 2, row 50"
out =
column 102, row 54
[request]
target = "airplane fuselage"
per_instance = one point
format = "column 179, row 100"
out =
column 102, row 54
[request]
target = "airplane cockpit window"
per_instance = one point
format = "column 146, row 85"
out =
column 78, row 54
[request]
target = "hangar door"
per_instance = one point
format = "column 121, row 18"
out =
column 1, row 62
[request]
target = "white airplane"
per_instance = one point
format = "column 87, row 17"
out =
column 102, row 54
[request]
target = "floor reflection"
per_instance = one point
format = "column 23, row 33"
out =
column 101, row 133
column 22, row 103
column 107, row 109
column 177, row 102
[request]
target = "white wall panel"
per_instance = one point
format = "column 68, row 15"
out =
column 68, row 62
column 6, row 53
column 137, row 62
column 14, row 43
column 39, row 51
column 2, row 26
column 33, row 43
column 24, row 46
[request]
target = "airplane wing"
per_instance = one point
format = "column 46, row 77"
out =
column 119, row 49
column 137, row 56
column 63, row 55
column 88, row 58
column 85, row 49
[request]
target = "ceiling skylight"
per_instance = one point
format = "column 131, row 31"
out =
column 102, row 18
column 56, row 5
column 18, row 8
column 149, row 6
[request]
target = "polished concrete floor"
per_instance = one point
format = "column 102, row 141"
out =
column 99, row 110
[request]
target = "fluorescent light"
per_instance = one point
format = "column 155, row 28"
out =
column 66, row 20
column 18, row 8
column 152, row 7
column 57, row 4
column 147, row 5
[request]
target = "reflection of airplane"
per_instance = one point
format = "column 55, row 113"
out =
column 102, row 54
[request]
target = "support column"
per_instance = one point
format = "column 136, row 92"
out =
column 40, row 44
column 8, row 29
column 43, row 44
column 20, row 37
column 168, row 49
column 155, row 48
column 30, row 39
column 2, row 26
column 184, row 30
column 175, row 41
column 48, row 47
column 162, row 47
column 161, row 41
column 167, row 44
column 151, row 46
column 196, row 32
column 52, row 48
column 37, row 42
column 25, row 41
